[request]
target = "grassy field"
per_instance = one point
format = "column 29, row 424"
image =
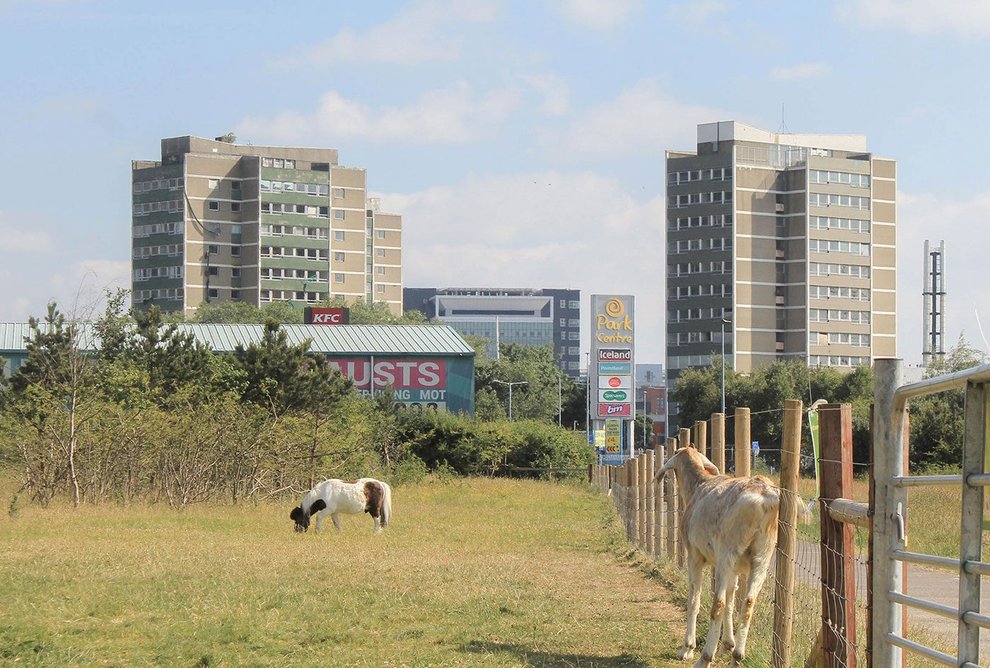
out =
column 933, row 517
column 472, row 573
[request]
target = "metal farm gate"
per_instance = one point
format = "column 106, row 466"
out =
column 890, row 519
column 861, row 560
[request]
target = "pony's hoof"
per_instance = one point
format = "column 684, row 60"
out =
column 728, row 645
column 702, row 662
column 686, row 653
column 737, row 659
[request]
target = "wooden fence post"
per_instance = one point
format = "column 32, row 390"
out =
column 634, row 499
column 650, row 509
column 701, row 437
column 838, row 566
column 670, row 500
column 683, row 441
column 743, row 468
column 783, row 595
column 718, row 441
column 658, row 534
column 643, row 485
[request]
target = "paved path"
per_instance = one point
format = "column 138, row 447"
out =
column 931, row 585
column 943, row 587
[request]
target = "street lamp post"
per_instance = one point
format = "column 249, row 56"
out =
column 724, row 323
column 510, row 384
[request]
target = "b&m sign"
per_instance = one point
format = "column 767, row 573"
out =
column 615, row 410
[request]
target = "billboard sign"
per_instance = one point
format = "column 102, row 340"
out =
column 613, row 436
column 612, row 451
column 319, row 315
column 614, row 396
column 614, row 367
column 612, row 337
column 416, row 382
column 615, row 381
column 609, row 409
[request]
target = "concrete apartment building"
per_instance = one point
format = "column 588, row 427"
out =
column 783, row 243
column 215, row 221
column 527, row 316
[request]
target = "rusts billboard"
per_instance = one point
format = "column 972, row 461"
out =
column 418, row 382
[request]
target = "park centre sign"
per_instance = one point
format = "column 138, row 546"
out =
column 610, row 372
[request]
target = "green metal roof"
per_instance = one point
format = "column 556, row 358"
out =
column 327, row 339
column 14, row 334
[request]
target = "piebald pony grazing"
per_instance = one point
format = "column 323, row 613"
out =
column 731, row 525
column 333, row 497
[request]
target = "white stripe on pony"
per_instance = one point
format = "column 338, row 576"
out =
column 333, row 497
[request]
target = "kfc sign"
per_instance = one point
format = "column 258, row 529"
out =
column 315, row 315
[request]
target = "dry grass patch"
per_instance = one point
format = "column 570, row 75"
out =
column 476, row 572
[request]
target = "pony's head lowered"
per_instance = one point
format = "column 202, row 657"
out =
column 301, row 516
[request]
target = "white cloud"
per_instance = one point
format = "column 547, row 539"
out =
column 553, row 90
column 539, row 230
column 413, row 36
column 78, row 289
column 698, row 12
column 451, row 115
column 924, row 216
column 967, row 18
column 599, row 15
column 641, row 120
column 797, row 72
column 23, row 239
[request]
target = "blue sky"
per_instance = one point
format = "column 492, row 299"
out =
column 523, row 142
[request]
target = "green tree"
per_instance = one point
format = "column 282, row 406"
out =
column 938, row 420
column 363, row 312
column 538, row 384
column 285, row 377
column 54, row 392
column 163, row 362
column 698, row 393
column 642, row 431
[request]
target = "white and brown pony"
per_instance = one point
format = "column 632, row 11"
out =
column 333, row 497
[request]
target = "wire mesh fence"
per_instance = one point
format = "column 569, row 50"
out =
column 814, row 607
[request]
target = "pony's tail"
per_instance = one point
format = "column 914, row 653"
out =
column 386, row 505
